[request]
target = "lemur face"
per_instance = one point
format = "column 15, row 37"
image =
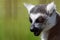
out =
column 39, row 16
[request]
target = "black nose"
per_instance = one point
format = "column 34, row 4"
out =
column 33, row 29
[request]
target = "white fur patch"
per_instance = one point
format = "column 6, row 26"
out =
column 35, row 16
column 29, row 6
column 50, row 7
column 44, row 35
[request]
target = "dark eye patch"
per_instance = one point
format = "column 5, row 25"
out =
column 40, row 20
column 30, row 20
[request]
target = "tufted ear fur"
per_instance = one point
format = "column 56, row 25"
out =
column 50, row 7
column 29, row 6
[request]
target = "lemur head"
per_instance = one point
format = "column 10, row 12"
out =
column 40, row 16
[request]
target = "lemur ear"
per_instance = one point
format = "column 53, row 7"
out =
column 50, row 7
column 29, row 6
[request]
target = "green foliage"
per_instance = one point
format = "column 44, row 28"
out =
column 14, row 21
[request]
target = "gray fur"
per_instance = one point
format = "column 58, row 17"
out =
column 39, row 9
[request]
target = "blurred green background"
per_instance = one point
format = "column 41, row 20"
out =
column 14, row 22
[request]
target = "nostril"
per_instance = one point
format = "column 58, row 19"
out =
column 32, row 29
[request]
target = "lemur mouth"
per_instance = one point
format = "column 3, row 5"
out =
column 37, row 33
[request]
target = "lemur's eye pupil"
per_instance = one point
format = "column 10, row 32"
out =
column 30, row 20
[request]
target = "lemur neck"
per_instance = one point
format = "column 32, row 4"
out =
column 54, row 33
column 46, row 32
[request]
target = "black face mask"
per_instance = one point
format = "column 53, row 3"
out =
column 30, row 20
